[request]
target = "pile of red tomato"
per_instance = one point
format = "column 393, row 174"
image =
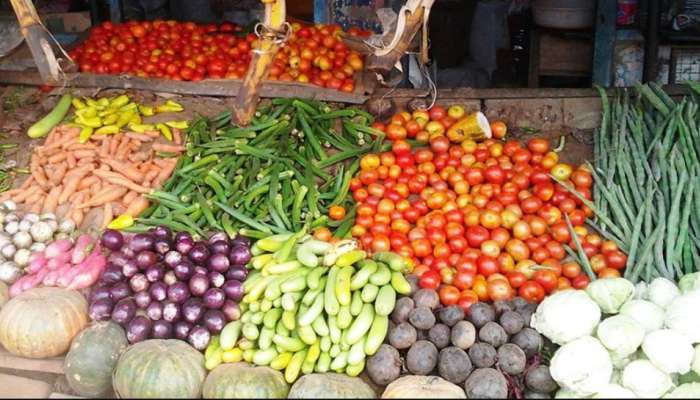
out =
column 192, row 52
column 481, row 221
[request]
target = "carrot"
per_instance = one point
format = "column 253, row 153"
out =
column 138, row 156
column 104, row 148
column 27, row 182
column 59, row 143
column 35, row 197
column 139, row 136
column 56, row 158
column 94, row 189
column 136, row 207
column 105, row 195
column 70, row 159
column 154, row 134
column 118, row 209
column 82, row 146
column 84, row 153
column 36, row 207
column 38, row 175
column 129, row 197
column 53, row 135
column 167, row 148
column 70, row 186
column 85, row 161
column 56, row 176
column 177, row 137
column 165, row 173
column 77, row 217
column 128, row 184
column 88, row 182
column 122, row 149
column 113, row 144
column 6, row 195
column 151, row 175
column 126, row 169
column 52, row 199
column 107, row 215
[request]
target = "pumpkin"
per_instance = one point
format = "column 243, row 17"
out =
column 159, row 368
column 92, row 357
column 4, row 294
column 330, row 386
column 42, row 322
column 242, row 381
column 423, row 387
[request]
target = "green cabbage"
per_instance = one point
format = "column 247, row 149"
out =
column 610, row 294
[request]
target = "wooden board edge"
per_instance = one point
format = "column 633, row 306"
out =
column 11, row 361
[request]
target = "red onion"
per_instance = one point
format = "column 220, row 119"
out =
column 182, row 329
column 139, row 329
column 233, row 290
column 216, row 279
column 154, row 311
column 240, row 255
column 158, row 291
column 231, row 310
column 100, row 309
column 199, row 283
column 162, row 330
column 237, row 272
column 218, row 262
column 139, row 283
column 214, row 321
column 199, row 338
column 178, row 292
column 141, row 242
column 112, row 239
column 142, row 299
column 171, row 311
column 214, row 298
column 173, row 258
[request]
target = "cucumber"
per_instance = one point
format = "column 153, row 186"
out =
column 340, row 361
column 307, row 334
column 326, row 343
column 382, row 276
column 376, row 334
column 264, row 357
column 324, row 362
column 386, row 300
column 42, row 127
column 361, row 277
column 333, row 329
column 344, row 317
column 330, row 302
column 288, row 344
column 400, row 284
column 361, row 325
column 393, row 260
column 289, row 320
column 354, row 370
column 369, row 293
column 265, row 338
column 214, row 359
column 350, row 258
column 280, row 362
column 357, row 352
column 356, row 303
column 313, row 279
column 320, row 326
column 229, row 335
column 342, row 286
column 271, row 317
column 292, row 371
column 312, row 313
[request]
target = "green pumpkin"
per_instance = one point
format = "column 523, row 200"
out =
column 330, row 386
column 242, row 381
column 92, row 357
column 159, row 368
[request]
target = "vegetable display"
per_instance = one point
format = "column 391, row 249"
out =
column 243, row 381
column 191, row 52
column 312, row 306
column 22, row 235
column 470, row 213
column 162, row 286
column 269, row 177
column 490, row 352
column 646, row 154
column 108, row 172
column 64, row 264
column 330, row 385
column 645, row 346
column 25, row 329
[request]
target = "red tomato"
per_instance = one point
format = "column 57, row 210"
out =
column 580, row 282
column 463, row 280
column 449, row 295
column 487, row 265
column 499, row 289
column 477, row 235
column 516, row 279
column 494, row 174
column 429, row 280
column 532, row 292
column 547, row 279
column 615, row 259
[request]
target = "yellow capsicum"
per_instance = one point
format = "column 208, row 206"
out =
column 165, row 130
column 121, row 222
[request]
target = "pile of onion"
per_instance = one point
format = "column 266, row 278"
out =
column 160, row 286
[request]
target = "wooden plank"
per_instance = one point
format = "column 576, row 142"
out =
column 604, row 43
column 11, row 361
column 209, row 87
column 18, row 387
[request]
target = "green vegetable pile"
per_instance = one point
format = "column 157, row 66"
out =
column 312, row 306
column 285, row 169
column 647, row 173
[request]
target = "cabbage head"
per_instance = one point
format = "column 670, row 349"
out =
column 648, row 314
column 565, row 316
column 645, row 380
column 662, row 292
column 610, row 294
column 614, row 391
column 621, row 334
column 689, row 282
column 683, row 315
column 685, row 391
column 582, row 366
column 669, row 351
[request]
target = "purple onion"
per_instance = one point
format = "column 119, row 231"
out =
column 112, row 275
column 192, row 310
column 118, row 258
column 199, row 254
column 183, row 270
column 100, row 309
column 139, row 329
column 184, row 245
column 240, row 255
column 154, row 273
column 162, row 232
column 181, row 329
column 169, row 278
column 128, row 252
column 218, row 236
column 119, row 291
column 162, row 330
column 158, row 291
column 139, row 283
column 99, row 293
column 214, row 298
column 146, row 258
column 218, row 262
column 141, row 242
column 199, row 338
column 142, row 299
column 237, row 272
column 240, row 240
column 216, row 279
column 214, row 321
column 183, row 235
column 233, row 290
column 220, row 247
column 178, row 292
column 199, row 283
column 173, row 258
column 198, row 269
column 171, row 311
column 129, row 269
column 162, row 246
column 112, row 239
column 231, row 310
column 154, row 311
column 124, row 311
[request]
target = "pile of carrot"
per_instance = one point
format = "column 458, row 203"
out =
column 112, row 172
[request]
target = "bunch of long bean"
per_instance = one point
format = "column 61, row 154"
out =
column 647, row 181
column 283, row 171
